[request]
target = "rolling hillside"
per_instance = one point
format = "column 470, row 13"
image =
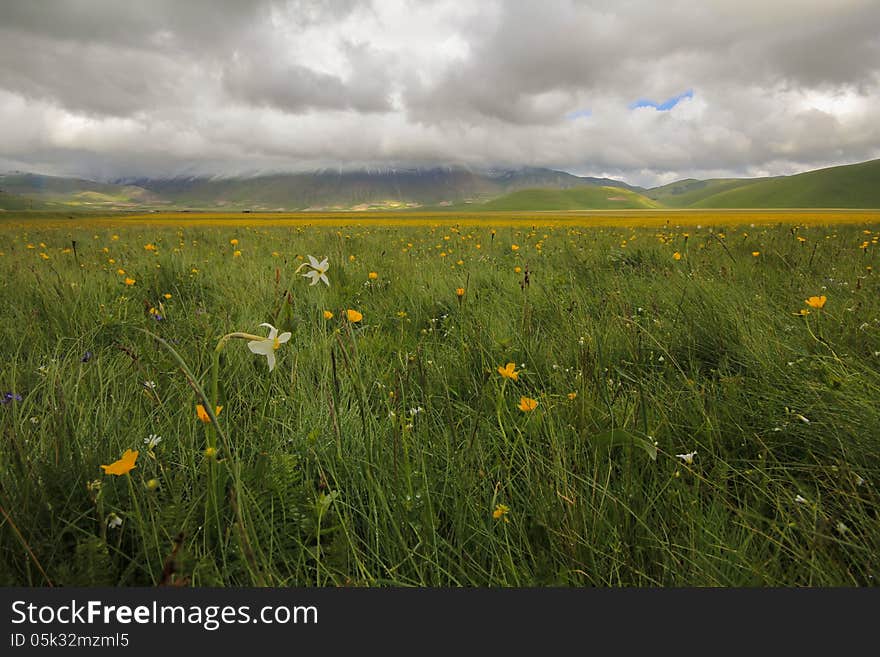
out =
column 581, row 198
column 848, row 186
column 452, row 188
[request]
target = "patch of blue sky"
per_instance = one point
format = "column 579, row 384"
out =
column 579, row 114
column 666, row 105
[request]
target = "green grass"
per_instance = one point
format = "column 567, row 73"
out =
column 375, row 453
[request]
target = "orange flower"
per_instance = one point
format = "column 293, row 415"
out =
column 676, row 256
column 527, row 404
column 353, row 316
column 203, row 414
column 755, row 254
column 123, row 465
column 328, row 314
column 816, row 302
column 459, row 291
column 373, row 275
column 130, row 281
column 509, row 371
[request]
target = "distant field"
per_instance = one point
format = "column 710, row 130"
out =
column 597, row 218
column 630, row 398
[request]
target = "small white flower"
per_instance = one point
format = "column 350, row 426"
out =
column 660, row 359
column 152, row 441
column 841, row 528
column 317, row 271
column 267, row 346
column 800, row 499
column 150, row 385
column 802, row 418
column 113, row 521
column 687, row 458
column 859, row 481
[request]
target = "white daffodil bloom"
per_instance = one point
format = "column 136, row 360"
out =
column 267, row 346
column 317, row 271
column 687, row 458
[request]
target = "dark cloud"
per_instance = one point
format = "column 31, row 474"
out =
column 165, row 86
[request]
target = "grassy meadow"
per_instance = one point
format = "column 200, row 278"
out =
column 531, row 400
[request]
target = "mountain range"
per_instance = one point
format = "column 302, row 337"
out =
column 439, row 188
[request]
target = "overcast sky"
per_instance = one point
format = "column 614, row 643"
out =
column 641, row 90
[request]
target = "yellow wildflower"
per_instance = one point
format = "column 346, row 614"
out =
column 124, row 465
column 527, row 404
column 509, row 371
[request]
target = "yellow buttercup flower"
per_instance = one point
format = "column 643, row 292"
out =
column 755, row 254
column 373, row 275
column 130, row 281
column 676, row 256
column 816, row 302
column 459, row 292
column 509, row 371
column 124, row 465
column 203, row 414
column 527, row 404
column 353, row 316
column 572, row 395
column 233, row 242
column 328, row 314
column 500, row 512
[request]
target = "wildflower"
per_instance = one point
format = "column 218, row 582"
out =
column 459, row 292
column 86, row 357
column 269, row 345
column 328, row 314
column 500, row 512
column 353, row 316
column 113, row 521
column 800, row 499
column 318, row 271
column 236, row 254
column 514, row 247
column 210, row 452
column 152, row 441
column 203, row 414
column 803, row 312
column 527, row 404
column 517, row 270
column 676, row 256
column 755, row 254
column 44, row 256
column 150, row 385
column 10, row 397
column 572, row 395
column 233, row 242
column 124, row 465
column 816, row 302
column 509, row 371
column 130, row 281
column 373, row 275
column 155, row 314
column 167, row 295
column 152, row 484
column 121, row 272
column 150, row 247
column 687, row 458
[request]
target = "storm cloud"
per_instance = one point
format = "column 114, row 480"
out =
column 105, row 89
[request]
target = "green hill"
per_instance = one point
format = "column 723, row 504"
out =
column 848, row 186
column 581, row 198
column 685, row 193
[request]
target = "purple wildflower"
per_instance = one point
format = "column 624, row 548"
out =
column 10, row 397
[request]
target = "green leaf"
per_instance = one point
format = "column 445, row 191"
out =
column 621, row 438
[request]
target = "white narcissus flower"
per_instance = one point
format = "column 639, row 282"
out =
column 318, row 270
column 114, row 521
column 687, row 458
column 267, row 346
